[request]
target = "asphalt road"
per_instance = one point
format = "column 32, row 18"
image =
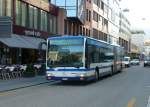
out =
column 131, row 88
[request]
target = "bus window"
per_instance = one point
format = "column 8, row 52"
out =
column 65, row 53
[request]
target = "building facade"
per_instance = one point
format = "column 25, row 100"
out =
column 32, row 22
column 135, row 51
column 95, row 18
column 137, row 38
column 125, row 33
column 147, row 47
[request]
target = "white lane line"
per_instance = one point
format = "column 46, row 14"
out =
column 148, row 104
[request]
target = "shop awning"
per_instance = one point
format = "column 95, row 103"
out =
column 17, row 41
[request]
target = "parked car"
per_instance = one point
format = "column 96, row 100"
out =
column 135, row 62
column 126, row 61
column 147, row 62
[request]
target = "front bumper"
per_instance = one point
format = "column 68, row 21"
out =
column 70, row 78
column 147, row 64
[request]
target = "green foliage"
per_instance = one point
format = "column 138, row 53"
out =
column 30, row 72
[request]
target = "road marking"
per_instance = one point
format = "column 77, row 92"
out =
column 148, row 104
column 131, row 103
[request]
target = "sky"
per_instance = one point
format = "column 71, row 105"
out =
column 138, row 15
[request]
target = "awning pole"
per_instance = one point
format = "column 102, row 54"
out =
column 20, row 55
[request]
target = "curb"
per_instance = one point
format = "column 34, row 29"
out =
column 26, row 86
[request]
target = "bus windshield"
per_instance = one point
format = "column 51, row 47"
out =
column 65, row 53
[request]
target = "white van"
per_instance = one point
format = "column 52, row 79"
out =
column 126, row 61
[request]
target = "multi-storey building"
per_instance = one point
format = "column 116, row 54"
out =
column 147, row 47
column 32, row 22
column 77, row 22
column 137, row 38
column 134, row 51
column 94, row 18
column 125, row 33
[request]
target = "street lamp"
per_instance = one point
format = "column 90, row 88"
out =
column 126, row 10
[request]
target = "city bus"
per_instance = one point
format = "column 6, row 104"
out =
column 81, row 58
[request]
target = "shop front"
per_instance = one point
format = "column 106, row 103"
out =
column 20, row 49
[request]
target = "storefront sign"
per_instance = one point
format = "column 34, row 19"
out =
column 29, row 32
column 32, row 33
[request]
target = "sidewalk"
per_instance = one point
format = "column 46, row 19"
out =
column 7, row 85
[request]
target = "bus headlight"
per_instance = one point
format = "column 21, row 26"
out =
column 83, row 75
column 49, row 74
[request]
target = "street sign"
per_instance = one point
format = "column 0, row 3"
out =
column 5, row 26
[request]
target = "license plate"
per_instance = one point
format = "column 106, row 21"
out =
column 64, row 78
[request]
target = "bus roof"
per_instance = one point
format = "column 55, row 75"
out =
column 80, row 36
column 65, row 36
column 70, row 36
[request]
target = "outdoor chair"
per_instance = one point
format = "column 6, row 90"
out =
column 5, row 74
column 16, row 73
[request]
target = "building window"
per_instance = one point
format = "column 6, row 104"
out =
column 51, row 23
column 102, row 5
column 18, row 12
column 24, row 14
column 95, row 16
column 31, row 11
column 65, row 27
column 39, row 19
column 101, row 35
column 35, row 18
column 105, row 25
column 87, row 14
column 97, row 2
column 105, row 37
column 87, row 32
column 89, row 1
column 9, row 8
column 81, row 30
column 43, row 20
column 69, row 29
column 105, row 8
column 2, row 7
column 95, row 33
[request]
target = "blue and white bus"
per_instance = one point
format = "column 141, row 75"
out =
column 81, row 58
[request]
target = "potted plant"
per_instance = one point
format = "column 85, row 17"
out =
column 42, row 69
column 29, row 72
